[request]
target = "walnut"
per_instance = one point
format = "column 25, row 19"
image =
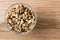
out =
column 20, row 18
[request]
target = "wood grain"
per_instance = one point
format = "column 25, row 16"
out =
column 48, row 20
column 48, row 13
column 36, row 34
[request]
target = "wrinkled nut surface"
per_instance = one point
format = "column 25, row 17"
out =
column 20, row 18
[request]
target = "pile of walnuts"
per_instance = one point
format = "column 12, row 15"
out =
column 20, row 18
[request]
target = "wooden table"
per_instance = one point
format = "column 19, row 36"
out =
column 48, row 20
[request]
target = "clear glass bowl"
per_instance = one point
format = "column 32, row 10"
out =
column 26, row 5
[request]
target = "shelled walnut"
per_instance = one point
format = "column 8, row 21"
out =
column 20, row 18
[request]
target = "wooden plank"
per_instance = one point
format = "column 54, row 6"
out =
column 48, row 13
column 36, row 34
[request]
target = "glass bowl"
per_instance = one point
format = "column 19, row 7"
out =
column 25, row 5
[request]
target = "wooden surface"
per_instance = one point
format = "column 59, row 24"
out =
column 48, row 20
